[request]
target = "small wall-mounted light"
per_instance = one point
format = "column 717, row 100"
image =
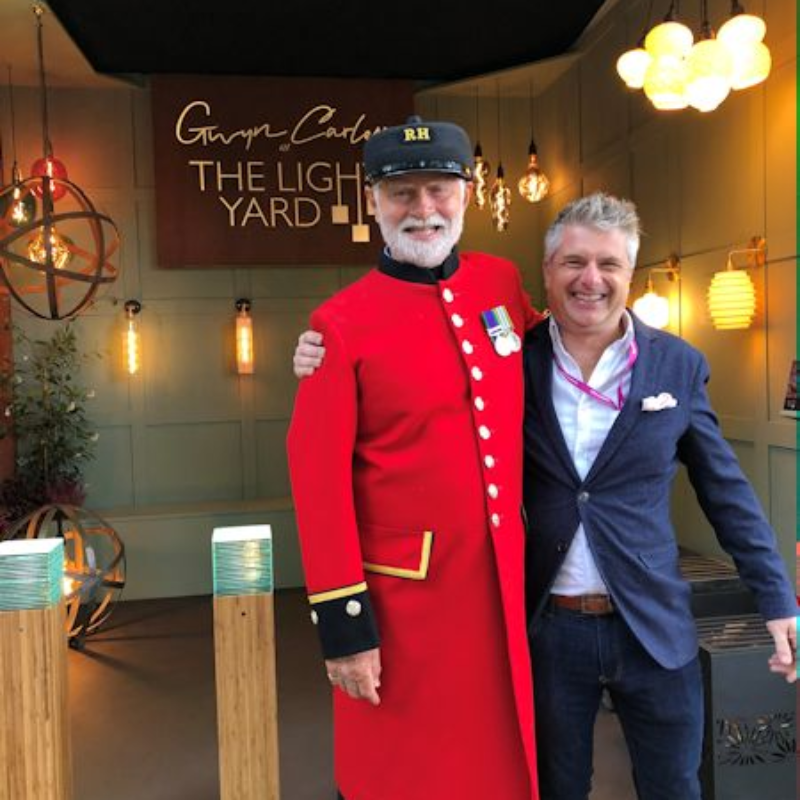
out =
column 244, row 338
column 651, row 307
column 732, row 294
column 132, row 345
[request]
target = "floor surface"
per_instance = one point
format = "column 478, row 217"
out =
column 143, row 711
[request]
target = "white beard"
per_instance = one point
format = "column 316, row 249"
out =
column 422, row 254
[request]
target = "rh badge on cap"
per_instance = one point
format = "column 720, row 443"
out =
column 417, row 133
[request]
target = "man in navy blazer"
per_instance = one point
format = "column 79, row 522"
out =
column 612, row 407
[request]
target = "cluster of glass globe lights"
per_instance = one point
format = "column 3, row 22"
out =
column 676, row 72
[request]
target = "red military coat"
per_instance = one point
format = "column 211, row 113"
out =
column 406, row 464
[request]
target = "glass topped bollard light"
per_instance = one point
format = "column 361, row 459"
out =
column 244, row 658
column 31, row 574
column 35, row 686
column 242, row 560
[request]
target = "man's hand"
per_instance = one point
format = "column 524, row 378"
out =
column 358, row 675
column 308, row 354
column 784, row 659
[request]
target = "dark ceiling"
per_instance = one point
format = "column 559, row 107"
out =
column 428, row 42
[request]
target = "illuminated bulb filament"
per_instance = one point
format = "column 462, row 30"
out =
column 23, row 207
column 534, row 184
column 132, row 348
column 131, row 338
column 500, row 199
column 244, row 342
column 481, row 178
column 59, row 248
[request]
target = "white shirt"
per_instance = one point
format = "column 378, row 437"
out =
column 585, row 423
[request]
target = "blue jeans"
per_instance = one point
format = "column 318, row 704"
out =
column 575, row 656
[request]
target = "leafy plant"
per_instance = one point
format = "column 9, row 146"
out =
column 46, row 414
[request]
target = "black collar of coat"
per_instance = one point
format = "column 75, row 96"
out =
column 413, row 274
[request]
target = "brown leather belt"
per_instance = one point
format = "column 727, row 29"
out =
column 593, row 604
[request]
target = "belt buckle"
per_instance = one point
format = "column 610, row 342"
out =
column 596, row 604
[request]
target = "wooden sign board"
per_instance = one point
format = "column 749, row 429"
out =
column 255, row 171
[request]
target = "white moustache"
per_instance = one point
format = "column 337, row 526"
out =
column 413, row 224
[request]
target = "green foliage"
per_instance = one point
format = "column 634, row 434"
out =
column 46, row 414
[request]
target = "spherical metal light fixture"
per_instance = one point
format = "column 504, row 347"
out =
column 94, row 563
column 54, row 264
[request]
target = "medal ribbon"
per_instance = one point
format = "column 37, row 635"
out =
column 633, row 354
column 497, row 321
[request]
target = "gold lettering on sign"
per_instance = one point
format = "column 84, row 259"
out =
column 321, row 115
column 201, row 172
column 209, row 134
column 312, row 206
column 253, row 176
column 279, row 206
column 319, row 122
column 283, row 184
column 231, row 210
column 236, row 177
column 253, row 212
column 273, row 212
column 325, row 184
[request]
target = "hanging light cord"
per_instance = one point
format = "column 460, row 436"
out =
column 477, row 113
column 649, row 16
column 530, row 105
column 48, row 147
column 15, row 176
column 499, row 131
column 705, row 25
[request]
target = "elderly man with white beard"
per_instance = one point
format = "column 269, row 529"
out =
column 406, row 464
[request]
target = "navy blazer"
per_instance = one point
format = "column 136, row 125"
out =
column 624, row 501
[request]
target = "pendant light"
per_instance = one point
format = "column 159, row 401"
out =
column 19, row 205
column 632, row 64
column 480, row 175
column 500, row 196
column 534, row 184
column 743, row 36
column 709, row 67
column 48, row 167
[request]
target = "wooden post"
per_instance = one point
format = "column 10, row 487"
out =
column 35, row 738
column 244, row 646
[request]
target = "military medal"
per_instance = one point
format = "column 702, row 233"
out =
column 500, row 328
column 503, row 346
